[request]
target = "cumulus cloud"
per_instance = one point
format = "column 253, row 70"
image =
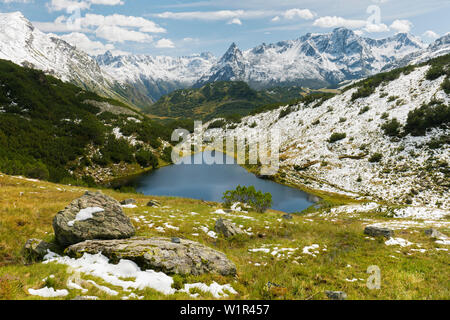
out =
column 235, row 21
column 16, row 1
column 164, row 44
column 401, row 26
column 299, row 13
column 336, row 22
column 430, row 35
column 82, row 42
column 114, row 28
column 144, row 25
column 118, row 34
column 363, row 25
column 73, row 5
column 370, row 27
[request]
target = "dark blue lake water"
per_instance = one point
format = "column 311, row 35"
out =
column 209, row 182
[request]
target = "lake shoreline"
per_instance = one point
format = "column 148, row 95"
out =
column 208, row 182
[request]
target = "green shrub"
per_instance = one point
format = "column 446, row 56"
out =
column 337, row 137
column 392, row 128
column 259, row 201
column 217, row 124
column 364, row 110
column 376, row 157
column 167, row 154
column 432, row 115
column 446, row 85
column 435, row 72
column 146, row 159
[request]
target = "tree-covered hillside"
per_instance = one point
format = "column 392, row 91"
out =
column 56, row 131
column 219, row 99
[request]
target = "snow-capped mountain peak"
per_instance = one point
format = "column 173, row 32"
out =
column 23, row 44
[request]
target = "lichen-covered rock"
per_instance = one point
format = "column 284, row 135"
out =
column 153, row 203
column 36, row 249
column 433, row 233
column 93, row 216
column 227, row 228
column 336, row 295
column 128, row 201
column 374, row 231
column 160, row 254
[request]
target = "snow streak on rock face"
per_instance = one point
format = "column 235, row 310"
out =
column 329, row 167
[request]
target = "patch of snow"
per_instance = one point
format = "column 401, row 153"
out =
column 218, row 291
column 98, row 266
column 85, row 214
column 129, row 206
column 48, row 292
column 398, row 241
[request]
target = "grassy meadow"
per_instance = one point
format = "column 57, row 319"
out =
column 314, row 252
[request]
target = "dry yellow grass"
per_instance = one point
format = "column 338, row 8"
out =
column 28, row 207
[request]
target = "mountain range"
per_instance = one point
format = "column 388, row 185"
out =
column 313, row 60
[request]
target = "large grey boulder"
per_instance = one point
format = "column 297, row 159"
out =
column 160, row 254
column 227, row 228
column 93, row 216
column 374, row 231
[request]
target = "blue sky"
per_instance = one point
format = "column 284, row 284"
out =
column 181, row 27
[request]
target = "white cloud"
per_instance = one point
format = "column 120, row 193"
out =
column 118, row 34
column 335, row 22
column 370, row 27
column 82, row 42
column 143, row 24
column 363, row 25
column 73, row 5
column 276, row 19
column 235, row 21
column 401, row 26
column 16, row 1
column 299, row 13
column 430, row 34
column 67, row 5
column 202, row 15
column 164, row 44
column 221, row 15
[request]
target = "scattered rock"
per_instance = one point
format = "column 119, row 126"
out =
column 36, row 249
column 107, row 222
column 336, row 295
column 287, row 216
column 176, row 240
column 84, row 298
column 153, row 203
column 374, row 231
column 128, row 201
column 433, row 233
column 160, row 254
column 227, row 228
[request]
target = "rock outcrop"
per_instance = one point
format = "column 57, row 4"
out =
column 93, row 216
column 36, row 249
column 374, row 231
column 160, row 254
column 227, row 228
column 433, row 233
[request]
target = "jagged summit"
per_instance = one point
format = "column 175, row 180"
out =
column 313, row 60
